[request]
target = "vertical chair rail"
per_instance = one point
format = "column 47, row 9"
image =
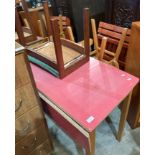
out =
column 94, row 33
column 86, row 31
column 100, row 53
column 120, row 44
column 58, row 47
column 61, row 26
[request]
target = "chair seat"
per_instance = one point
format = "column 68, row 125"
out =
column 47, row 50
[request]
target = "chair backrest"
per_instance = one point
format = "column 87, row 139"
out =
column 113, row 33
column 117, row 42
column 62, row 21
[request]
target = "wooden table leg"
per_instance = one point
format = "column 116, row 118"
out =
column 91, row 149
column 124, row 114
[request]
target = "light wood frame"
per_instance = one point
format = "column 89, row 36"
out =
column 101, row 51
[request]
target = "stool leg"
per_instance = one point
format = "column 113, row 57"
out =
column 91, row 149
column 124, row 114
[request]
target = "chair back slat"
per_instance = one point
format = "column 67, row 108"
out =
column 113, row 32
column 111, row 27
column 111, row 40
column 108, row 33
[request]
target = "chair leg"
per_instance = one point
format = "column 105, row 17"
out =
column 70, row 33
column 41, row 28
column 94, row 34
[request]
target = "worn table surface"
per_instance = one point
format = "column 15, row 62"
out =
column 88, row 94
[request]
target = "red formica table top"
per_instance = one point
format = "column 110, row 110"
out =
column 89, row 94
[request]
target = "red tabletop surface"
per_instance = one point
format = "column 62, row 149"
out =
column 89, row 94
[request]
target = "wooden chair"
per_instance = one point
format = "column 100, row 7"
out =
column 109, row 41
column 60, row 56
column 63, row 22
column 41, row 20
column 25, row 35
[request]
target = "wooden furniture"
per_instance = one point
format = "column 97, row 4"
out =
column 19, row 35
column 62, row 56
column 112, row 32
column 24, row 35
column 37, row 22
column 114, row 41
column 58, row 56
column 72, row 9
column 31, row 133
column 88, row 100
column 41, row 20
column 133, row 67
column 38, row 18
column 63, row 22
